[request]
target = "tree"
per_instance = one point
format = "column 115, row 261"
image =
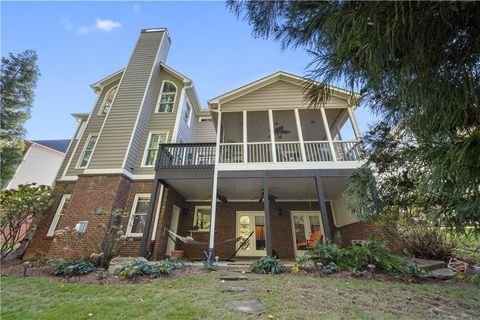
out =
column 19, row 74
column 416, row 64
column 18, row 208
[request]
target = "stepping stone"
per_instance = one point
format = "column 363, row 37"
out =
column 227, row 288
column 429, row 264
column 233, row 278
column 254, row 306
column 242, row 271
column 443, row 274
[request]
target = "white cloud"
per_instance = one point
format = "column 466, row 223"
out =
column 66, row 23
column 107, row 25
column 136, row 8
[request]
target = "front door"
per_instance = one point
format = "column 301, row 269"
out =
column 173, row 228
column 248, row 222
column 307, row 229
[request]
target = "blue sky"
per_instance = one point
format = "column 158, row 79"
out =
column 79, row 43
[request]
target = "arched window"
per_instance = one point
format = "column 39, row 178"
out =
column 107, row 102
column 167, row 99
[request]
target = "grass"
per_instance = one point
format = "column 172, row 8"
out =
column 199, row 297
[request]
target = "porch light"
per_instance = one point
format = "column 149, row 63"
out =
column 99, row 210
column 185, row 211
column 279, row 211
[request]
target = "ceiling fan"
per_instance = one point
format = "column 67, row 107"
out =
column 220, row 197
column 279, row 131
column 271, row 197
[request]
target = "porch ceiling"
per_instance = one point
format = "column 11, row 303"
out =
column 245, row 189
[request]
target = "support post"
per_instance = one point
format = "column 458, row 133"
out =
column 266, row 208
column 272, row 135
column 148, row 222
column 327, row 131
column 354, row 123
column 210, row 254
column 245, row 155
column 300, row 135
column 323, row 207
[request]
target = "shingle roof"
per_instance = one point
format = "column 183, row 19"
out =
column 59, row 145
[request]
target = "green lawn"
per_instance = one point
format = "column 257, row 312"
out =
column 199, row 297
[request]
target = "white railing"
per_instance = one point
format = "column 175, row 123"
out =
column 231, row 153
column 259, row 152
column 347, row 150
column 288, row 151
column 317, row 151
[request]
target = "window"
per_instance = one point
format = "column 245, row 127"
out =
column 202, row 218
column 187, row 114
column 153, row 145
column 58, row 214
column 204, row 119
column 87, row 151
column 167, row 99
column 107, row 102
column 136, row 223
column 81, row 226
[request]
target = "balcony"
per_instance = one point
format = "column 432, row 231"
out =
column 202, row 155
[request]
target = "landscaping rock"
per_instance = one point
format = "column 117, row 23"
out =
column 117, row 263
column 254, row 306
column 429, row 264
column 227, row 288
column 233, row 278
column 443, row 274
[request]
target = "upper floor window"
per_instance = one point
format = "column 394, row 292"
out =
column 107, row 102
column 153, row 145
column 188, row 114
column 167, row 98
column 87, row 151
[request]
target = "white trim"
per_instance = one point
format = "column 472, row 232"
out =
column 272, row 135
column 56, row 217
column 91, row 135
column 132, row 214
column 177, row 118
column 100, row 109
column 256, row 201
column 211, row 240
column 175, row 73
column 290, row 165
column 48, row 148
column 157, row 214
column 98, row 85
column 68, row 178
column 147, row 146
column 120, row 171
column 195, row 216
column 127, row 151
column 245, row 147
column 157, row 107
column 305, row 213
column 329, row 135
column 300, row 135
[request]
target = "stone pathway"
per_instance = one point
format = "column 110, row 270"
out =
column 233, row 278
column 227, row 288
column 253, row 306
column 435, row 269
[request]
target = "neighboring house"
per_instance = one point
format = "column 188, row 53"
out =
column 40, row 163
column 149, row 148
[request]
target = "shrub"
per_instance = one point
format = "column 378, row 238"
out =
column 305, row 261
column 427, row 243
column 327, row 253
column 370, row 252
column 267, row 265
column 62, row 267
column 135, row 268
column 331, row 268
column 165, row 267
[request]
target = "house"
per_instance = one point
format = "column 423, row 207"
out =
column 149, row 148
column 40, row 163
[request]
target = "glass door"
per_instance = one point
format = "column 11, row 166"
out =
column 307, row 229
column 251, row 226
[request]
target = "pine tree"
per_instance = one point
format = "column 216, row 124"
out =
column 19, row 74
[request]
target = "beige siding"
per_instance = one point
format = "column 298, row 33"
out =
column 70, row 150
column 205, row 132
column 94, row 125
column 186, row 130
column 158, row 121
column 115, row 136
column 280, row 94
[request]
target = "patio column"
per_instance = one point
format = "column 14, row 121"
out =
column 323, row 207
column 210, row 254
column 300, row 135
column 354, row 123
column 266, row 208
column 272, row 135
column 245, row 155
column 327, row 131
column 150, row 212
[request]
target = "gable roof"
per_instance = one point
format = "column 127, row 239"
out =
column 277, row 76
column 58, row 145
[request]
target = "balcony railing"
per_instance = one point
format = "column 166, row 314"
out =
column 186, row 155
column 202, row 155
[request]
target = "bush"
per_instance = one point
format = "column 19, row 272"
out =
column 427, row 243
column 71, row 267
column 331, row 268
column 267, row 265
column 140, row 268
column 327, row 253
column 370, row 252
column 305, row 261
